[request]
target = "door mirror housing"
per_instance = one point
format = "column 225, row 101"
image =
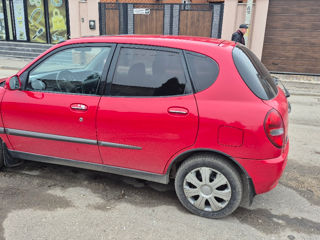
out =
column 13, row 83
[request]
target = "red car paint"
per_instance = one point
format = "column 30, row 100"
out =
column 227, row 118
column 151, row 126
column 50, row 113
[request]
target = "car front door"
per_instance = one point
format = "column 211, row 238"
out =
column 149, row 112
column 54, row 113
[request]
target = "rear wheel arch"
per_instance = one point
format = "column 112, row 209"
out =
column 247, row 183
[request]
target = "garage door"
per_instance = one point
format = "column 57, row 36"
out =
column 292, row 39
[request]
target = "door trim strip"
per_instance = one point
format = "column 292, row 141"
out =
column 47, row 136
column 154, row 177
column 118, row 145
column 23, row 133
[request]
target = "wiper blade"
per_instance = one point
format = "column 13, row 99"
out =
column 277, row 81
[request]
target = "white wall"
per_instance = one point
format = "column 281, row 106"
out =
column 80, row 12
column 234, row 15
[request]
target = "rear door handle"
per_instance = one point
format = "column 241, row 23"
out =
column 79, row 107
column 178, row 110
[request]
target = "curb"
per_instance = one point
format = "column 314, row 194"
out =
column 298, row 81
column 304, row 94
column 9, row 68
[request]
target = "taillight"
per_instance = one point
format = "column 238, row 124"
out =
column 274, row 127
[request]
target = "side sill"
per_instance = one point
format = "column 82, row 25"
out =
column 153, row 177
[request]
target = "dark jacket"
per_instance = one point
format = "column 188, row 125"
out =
column 238, row 37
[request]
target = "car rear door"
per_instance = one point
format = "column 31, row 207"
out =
column 55, row 112
column 149, row 112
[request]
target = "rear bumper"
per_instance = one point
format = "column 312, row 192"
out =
column 265, row 174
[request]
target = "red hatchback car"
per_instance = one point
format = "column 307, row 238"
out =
column 203, row 112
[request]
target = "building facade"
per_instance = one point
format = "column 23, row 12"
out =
column 283, row 33
column 38, row 21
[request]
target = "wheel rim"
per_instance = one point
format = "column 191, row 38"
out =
column 207, row 189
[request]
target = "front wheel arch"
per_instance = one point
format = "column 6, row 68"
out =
column 1, row 154
column 6, row 160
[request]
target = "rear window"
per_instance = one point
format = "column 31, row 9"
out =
column 254, row 73
column 204, row 70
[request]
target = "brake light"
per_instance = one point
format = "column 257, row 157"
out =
column 274, row 128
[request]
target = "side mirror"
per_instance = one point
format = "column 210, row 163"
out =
column 13, row 83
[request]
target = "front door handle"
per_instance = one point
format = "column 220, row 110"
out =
column 178, row 111
column 79, row 107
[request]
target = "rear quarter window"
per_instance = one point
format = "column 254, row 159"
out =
column 203, row 70
column 254, row 73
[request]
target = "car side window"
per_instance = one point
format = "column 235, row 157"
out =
column 148, row 72
column 204, row 70
column 75, row 70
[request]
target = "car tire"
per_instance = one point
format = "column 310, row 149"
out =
column 209, row 186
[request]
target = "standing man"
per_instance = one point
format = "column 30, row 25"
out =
column 238, row 35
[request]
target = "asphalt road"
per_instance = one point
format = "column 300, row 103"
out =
column 42, row 201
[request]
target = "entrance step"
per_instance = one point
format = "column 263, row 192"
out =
column 22, row 49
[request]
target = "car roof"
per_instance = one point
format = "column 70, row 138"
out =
column 195, row 44
column 181, row 42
